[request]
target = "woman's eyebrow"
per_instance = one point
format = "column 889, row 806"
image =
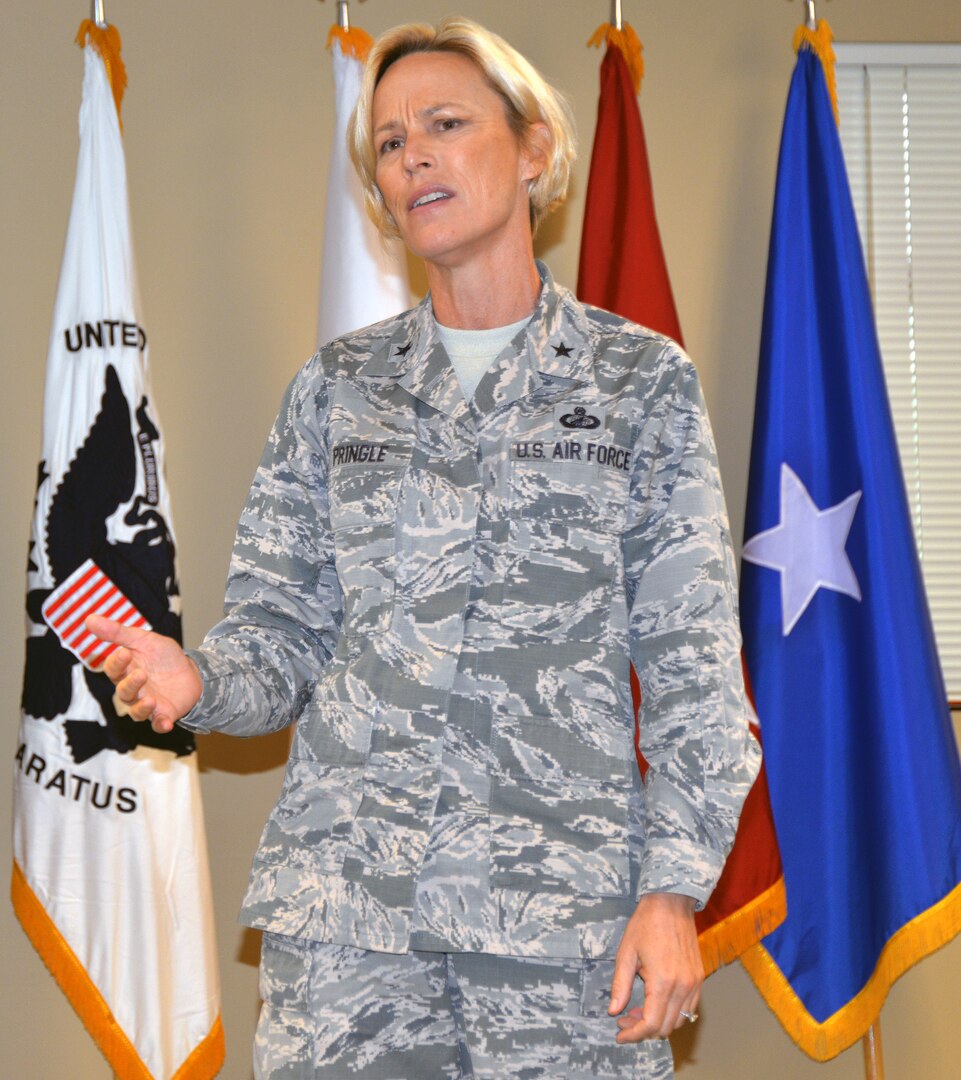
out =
column 425, row 113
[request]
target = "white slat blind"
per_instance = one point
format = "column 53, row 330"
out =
column 901, row 133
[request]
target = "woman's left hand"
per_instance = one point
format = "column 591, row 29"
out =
column 659, row 945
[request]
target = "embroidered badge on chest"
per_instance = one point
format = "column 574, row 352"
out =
column 568, row 417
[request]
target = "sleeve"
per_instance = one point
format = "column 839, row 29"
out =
column 685, row 642
column 283, row 607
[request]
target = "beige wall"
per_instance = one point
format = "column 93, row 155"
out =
column 227, row 124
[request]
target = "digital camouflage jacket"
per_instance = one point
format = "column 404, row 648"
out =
column 445, row 599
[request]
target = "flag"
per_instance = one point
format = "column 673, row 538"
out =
column 110, row 878
column 622, row 269
column 622, row 266
column 363, row 279
column 861, row 756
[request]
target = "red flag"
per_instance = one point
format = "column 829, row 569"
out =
column 622, row 269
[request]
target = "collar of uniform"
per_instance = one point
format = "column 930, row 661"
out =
column 558, row 353
column 553, row 351
column 557, row 335
column 405, row 347
column 415, row 358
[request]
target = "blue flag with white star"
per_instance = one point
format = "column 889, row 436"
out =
column 861, row 756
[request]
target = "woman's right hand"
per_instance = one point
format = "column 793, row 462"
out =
column 155, row 678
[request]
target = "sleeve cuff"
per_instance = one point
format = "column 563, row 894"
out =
column 203, row 716
column 680, row 866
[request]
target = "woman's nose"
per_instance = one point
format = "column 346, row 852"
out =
column 417, row 154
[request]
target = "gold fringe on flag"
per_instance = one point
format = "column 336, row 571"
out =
column 819, row 42
column 353, row 42
column 727, row 940
column 88, row 1003
column 915, row 940
column 629, row 44
column 106, row 40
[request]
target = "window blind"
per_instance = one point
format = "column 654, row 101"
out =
column 900, row 109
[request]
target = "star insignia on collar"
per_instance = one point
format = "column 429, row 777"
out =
column 403, row 350
column 562, row 349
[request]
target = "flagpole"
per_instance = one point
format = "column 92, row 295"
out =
column 873, row 1053
column 97, row 13
column 617, row 19
column 343, row 15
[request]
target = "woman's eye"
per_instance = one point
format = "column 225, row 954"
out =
column 448, row 124
column 390, row 144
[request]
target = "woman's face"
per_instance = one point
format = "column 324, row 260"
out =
column 452, row 173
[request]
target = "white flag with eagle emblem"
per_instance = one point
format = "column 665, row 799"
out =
column 110, row 877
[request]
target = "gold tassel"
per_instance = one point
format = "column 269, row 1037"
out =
column 629, row 44
column 353, row 42
column 106, row 40
column 914, row 941
column 207, row 1057
column 819, row 42
column 74, row 981
column 87, row 1001
column 727, row 940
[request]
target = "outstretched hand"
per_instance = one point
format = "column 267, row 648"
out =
column 660, row 945
column 155, row 679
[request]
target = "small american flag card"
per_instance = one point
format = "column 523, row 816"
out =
column 88, row 591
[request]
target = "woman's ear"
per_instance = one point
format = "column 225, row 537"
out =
column 537, row 148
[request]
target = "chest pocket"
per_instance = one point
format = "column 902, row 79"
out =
column 365, row 483
column 564, row 558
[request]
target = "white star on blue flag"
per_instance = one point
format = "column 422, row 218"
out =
column 807, row 547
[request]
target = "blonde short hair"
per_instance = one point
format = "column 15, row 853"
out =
column 528, row 99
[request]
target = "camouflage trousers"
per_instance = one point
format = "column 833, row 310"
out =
column 332, row 1011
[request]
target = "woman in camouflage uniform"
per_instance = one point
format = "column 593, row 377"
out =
column 467, row 522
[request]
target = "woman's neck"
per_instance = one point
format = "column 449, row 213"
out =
column 480, row 295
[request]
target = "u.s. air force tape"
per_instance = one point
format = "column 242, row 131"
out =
column 583, row 451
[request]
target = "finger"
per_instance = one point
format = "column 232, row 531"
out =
column 687, row 1014
column 142, row 709
column 682, row 1008
column 648, row 1021
column 622, row 982
column 109, row 630
column 116, row 664
column 161, row 723
column 690, row 1006
column 634, row 1030
column 147, row 708
column 129, row 687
